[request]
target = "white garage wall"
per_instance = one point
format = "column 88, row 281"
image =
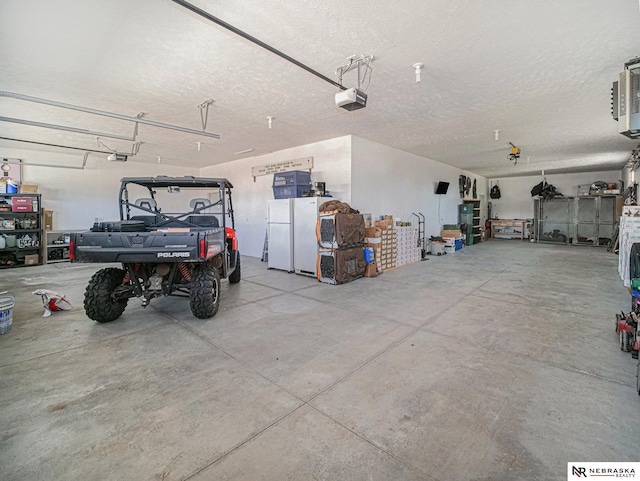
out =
column 389, row 181
column 516, row 201
column 331, row 164
column 76, row 196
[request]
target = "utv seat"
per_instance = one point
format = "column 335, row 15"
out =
column 147, row 203
column 201, row 204
column 149, row 219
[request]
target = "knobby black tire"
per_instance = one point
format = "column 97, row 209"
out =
column 624, row 340
column 235, row 276
column 99, row 303
column 205, row 292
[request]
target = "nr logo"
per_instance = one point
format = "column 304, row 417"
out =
column 579, row 472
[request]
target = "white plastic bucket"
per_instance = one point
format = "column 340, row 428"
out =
column 6, row 313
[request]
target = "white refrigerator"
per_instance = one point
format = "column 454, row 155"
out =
column 305, row 239
column 280, row 226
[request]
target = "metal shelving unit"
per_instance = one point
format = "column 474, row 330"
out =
column 22, row 231
column 57, row 246
column 469, row 213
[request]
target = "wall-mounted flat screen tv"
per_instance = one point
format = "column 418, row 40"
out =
column 442, row 188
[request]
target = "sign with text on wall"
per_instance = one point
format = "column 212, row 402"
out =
column 305, row 163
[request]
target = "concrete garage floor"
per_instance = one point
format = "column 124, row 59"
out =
column 499, row 362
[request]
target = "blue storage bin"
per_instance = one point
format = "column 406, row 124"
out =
column 295, row 177
column 458, row 244
column 291, row 191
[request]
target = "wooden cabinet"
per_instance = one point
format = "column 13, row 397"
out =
column 508, row 228
column 21, row 230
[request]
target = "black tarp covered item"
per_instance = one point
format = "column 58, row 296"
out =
column 338, row 231
column 634, row 261
column 341, row 265
column 494, row 193
column 337, row 206
column 537, row 189
column 544, row 190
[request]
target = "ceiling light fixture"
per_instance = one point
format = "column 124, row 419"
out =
column 418, row 69
column 243, row 152
column 496, row 134
column 270, row 119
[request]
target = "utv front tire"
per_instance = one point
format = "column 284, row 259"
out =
column 205, row 292
column 235, row 276
column 99, row 303
column 624, row 340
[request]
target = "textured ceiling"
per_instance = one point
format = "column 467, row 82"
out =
column 540, row 72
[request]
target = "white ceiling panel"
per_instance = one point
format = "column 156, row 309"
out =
column 540, row 72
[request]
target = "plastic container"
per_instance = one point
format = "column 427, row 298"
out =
column 458, row 244
column 6, row 313
column 437, row 248
column 291, row 191
column 368, row 255
column 12, row 187
column 294, row 177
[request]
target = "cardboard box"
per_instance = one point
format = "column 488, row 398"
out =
column 370, row 270
column 450, row 233
column 28, row 189
column 384, row 224
column 48, row 220
column 31, row 259
column 372, row 232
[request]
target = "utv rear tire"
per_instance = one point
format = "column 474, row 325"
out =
column 235, row 276
column 205, row 292
column 99, row 303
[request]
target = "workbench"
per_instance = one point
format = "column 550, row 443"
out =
column 508, row 228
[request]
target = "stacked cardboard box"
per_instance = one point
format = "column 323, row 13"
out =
column 388, row 244
column 456, row 233
column 407, row 245
column 373, row 239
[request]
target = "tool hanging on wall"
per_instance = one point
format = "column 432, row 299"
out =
column 464, row 183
